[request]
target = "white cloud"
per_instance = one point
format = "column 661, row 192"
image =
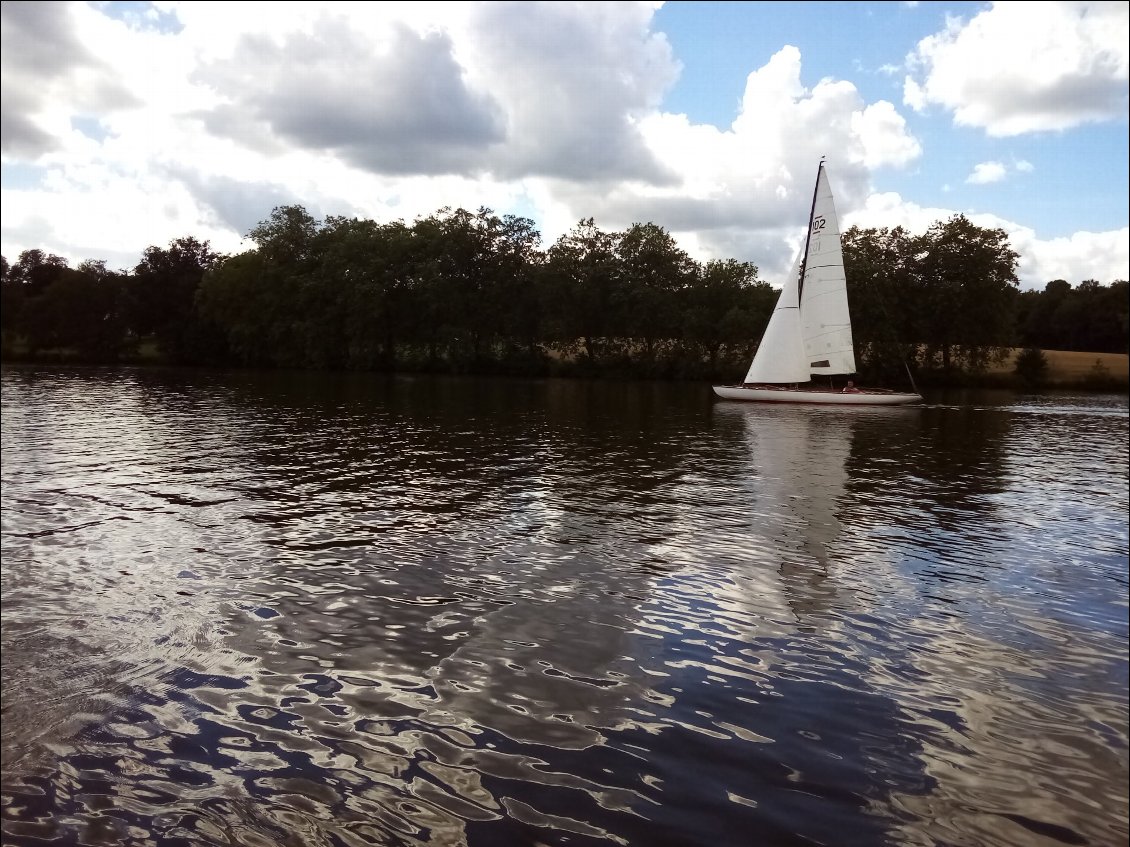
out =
column 889, row 210
column 745, row 191
column 914, row 95
column 49, row 74
column 986, row 172
column 884, row 136
column 1026, row 67
column 328, row 106
column 550, row 110
column 1104, row 256
column 171, row 165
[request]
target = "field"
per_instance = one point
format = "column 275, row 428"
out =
column 1066, row 367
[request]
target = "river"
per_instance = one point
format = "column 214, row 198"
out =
column 328, row 609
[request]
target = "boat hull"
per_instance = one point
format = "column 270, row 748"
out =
column 774, row 394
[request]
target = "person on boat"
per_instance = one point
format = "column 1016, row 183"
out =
column 849, row 388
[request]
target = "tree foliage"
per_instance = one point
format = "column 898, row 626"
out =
column 162, row 296
column 1091, row 318
column 1031, row 366
column 944, row 299
column 966, row 277
column 462, row 291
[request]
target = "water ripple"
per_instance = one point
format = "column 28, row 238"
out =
column 325, row 609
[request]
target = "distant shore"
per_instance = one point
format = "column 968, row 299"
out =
column 1066, row 369
column 1071, row 369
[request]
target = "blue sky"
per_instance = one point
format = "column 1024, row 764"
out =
column 127, row 125
column 1069, row 188
column 1079, row 180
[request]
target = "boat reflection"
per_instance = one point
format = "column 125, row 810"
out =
column 797, row 473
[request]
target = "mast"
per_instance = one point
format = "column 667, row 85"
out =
column 808, row 235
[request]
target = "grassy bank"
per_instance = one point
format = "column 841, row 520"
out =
column 1067, row 368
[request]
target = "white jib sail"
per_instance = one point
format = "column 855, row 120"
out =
column 826, row 320
column 780, row 357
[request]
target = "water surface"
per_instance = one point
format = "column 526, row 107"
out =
column 310, row 609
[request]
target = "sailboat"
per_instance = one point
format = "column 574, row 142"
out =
column 809, row 332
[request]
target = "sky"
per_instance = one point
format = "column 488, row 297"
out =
column 125, row 125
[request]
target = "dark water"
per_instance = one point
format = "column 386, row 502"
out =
column 345, row 610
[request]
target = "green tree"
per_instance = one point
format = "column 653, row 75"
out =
column 1039, row 317
column 1099, row 319
column 1098, row 377
column 78, row 314
column 367, row 275
column 966, row 293
column 238, row 296
column 269, row 303
column 162, row 295
column 1031, row 367
column 1118, row 299
column 584, row 279
column 727, row 306
column 25, row 282
column 11, row 304
column 286, row 238
column 1089, row 318
column 882, row 279
column 654, row 270
column 36, row 269
column 475, row 287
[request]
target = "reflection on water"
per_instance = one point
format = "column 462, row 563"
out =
column 311, row 609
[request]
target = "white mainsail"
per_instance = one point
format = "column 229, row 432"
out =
column 825, row 318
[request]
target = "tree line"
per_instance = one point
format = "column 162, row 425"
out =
column 463, row 292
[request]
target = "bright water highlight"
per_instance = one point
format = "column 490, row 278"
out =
column 316, row 609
